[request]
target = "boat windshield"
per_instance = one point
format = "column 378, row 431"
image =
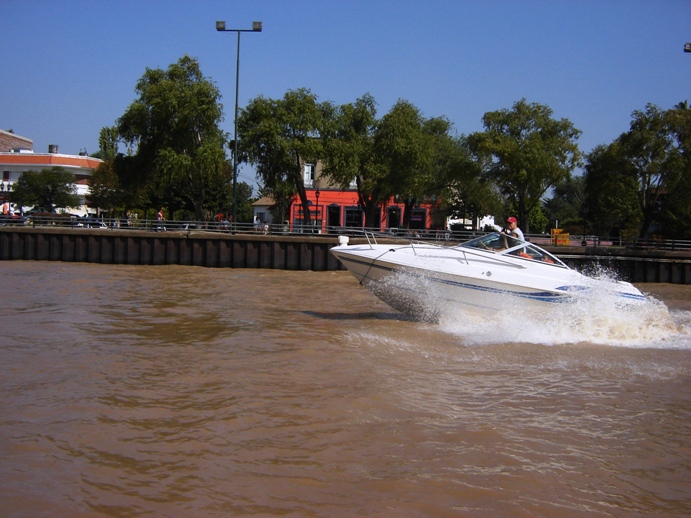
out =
column 508, row 245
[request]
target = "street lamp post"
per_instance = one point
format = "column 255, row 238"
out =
column 221, row 27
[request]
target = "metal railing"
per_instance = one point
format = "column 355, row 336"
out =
column 443, row 236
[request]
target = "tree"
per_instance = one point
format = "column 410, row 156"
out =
column 107, row 143
column 394, row 156
column 646, row 147
column 651, row 164
column 567, row 202
column 282, row 197
column 104, row 187
column 525, row 152
column 279, row 137
column 611, row 191
column 46, row 189
column 219, row 196
column 467, row 194
column 404, row 143
column 349, row 155
column 174, row 128
column 245, row 211
column 675, row 219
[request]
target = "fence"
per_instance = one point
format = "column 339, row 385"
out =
column 122, row 224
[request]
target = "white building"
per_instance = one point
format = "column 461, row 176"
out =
column 15, row 162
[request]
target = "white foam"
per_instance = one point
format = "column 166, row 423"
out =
column 595, row 316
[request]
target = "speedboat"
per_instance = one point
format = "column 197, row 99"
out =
column 490, row 272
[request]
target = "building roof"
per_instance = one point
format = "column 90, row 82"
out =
column 266, row 201
column 49, row 160
column 10, row 141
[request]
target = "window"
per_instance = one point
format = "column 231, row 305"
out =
column 309, row 175
column 353, row 217
column 418, row 219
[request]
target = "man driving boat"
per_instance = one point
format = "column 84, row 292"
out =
column 507, row 238
column 512, row 229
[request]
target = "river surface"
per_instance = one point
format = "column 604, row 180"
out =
column 186, row 392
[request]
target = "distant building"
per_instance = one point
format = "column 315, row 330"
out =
column 17, row 156
column 10, row 142
column 262, row 210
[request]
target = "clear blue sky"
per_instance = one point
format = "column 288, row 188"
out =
column 69, row 67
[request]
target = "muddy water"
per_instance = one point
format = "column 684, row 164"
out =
column 179, row 391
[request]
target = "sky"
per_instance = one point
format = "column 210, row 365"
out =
column 70, row 67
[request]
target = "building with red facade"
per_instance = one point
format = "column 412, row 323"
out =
column 334, row 208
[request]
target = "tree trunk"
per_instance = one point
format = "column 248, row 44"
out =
column 306, row 211
column 368, row 206
column 370, row 214
column 645, row 226
column 198, row 210
column 408, row 211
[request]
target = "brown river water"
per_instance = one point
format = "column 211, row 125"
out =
column 184, row 392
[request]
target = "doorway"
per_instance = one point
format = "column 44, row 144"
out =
column 333, row 217
column 393, row 218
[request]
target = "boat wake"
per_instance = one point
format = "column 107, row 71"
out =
column 595, row 316
column 590, row 320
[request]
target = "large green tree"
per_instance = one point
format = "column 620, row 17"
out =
column 611, row 192
column 398, row 155
column 406, row 144
column 567, row 202
column 47, row 189
column 349, row 155
column 675, row 220
column 466, row 193
column 173, row 129
column 525, row 152
column 641, row 182
column 105, row 190
column 657, row 147
column 280, row 136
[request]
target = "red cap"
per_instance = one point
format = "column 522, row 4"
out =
column 511, row 220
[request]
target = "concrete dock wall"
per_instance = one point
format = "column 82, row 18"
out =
column 290, row 252
column 213, row 250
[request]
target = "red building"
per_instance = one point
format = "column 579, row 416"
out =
column 336, row 208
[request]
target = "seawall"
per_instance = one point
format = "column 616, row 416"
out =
column 284, row 252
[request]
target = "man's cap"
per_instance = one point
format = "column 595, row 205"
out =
column 511, row 220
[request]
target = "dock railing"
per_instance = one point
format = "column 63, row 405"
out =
column 441, row 236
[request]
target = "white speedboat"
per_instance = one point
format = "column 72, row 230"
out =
column 491, row 272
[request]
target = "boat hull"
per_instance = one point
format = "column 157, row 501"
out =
column 425, row 280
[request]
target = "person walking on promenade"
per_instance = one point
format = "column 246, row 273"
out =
column 160, row 219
